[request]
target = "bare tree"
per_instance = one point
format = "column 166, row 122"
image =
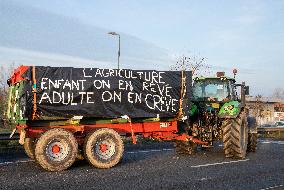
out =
column 194, row 63
column 258, row 106
column 278, row 93
column 5, row 73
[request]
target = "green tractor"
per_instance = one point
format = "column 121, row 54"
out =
column 217, row 112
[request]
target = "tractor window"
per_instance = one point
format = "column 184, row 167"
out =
column 211, row 89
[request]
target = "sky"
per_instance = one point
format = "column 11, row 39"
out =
column 247, row 35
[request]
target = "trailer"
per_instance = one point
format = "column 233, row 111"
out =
column 63, row 112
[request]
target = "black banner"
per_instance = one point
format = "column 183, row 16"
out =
column 108, row 93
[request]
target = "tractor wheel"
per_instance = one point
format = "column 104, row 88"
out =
column 29, row 147
column 56, row 150
column 252, row 142
column 185, row 147
column 103, row 148
column 235, row 136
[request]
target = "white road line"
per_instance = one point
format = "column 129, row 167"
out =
column 219, row 163
column 272, row 142
column 168, row 149
column 273, row 187
column 152, row 150
column 130, row 152
column 20, row 161
column 278, row 142
column 155, row 150
column 266, row 142
column 144, row 151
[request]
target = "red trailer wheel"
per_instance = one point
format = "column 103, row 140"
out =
column 56, row 150
column 103, row 148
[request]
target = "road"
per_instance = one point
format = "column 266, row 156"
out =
column 155, row 166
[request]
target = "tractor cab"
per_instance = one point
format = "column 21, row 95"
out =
column 218, row 95
column 214, row 89
column 219, row 89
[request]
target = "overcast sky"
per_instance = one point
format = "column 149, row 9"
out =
column 247, row 35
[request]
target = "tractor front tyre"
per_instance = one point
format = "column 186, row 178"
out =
column 252, row 142
column 185, row 147
column 103, row 148
column 56, row 150
column 235, row 136
column 29, row 147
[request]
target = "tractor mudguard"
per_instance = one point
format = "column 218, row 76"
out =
column 230, row 109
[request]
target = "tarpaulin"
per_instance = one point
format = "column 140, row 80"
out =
column 108, row 93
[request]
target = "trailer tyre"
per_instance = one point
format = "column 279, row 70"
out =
column 235, row 136
column 103, row 148
column 56, row 150
column 252, row 142
column 29, row 147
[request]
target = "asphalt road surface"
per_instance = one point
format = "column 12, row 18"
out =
column 155, row 166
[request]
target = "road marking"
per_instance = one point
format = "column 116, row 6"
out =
column 205, row 178
column 219, row 163
column 152, row 150
column 168, row 149
column 130, row 152
column 273, row 187
column 273, row 142
column 20, row 161
column 264, row 142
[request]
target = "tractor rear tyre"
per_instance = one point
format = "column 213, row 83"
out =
column 235, row 136
column 185, row 147
column 252, row 142
column 103, row 148
column 29, row 147
column 56, row 150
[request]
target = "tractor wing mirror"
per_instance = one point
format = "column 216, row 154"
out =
column 246, row 90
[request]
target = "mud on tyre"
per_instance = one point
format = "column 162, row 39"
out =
column 252, row 142
column 235, row 136
column 29, row 147
column 56, row 150
column 103, row 148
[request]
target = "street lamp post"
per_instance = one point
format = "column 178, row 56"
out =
column 118, row 54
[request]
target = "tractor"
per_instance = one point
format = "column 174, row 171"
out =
column 216, row 112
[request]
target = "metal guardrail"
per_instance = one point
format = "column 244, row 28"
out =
column 270, row 129
column 5, row 136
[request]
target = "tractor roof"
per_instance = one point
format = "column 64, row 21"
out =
column 216, row 78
